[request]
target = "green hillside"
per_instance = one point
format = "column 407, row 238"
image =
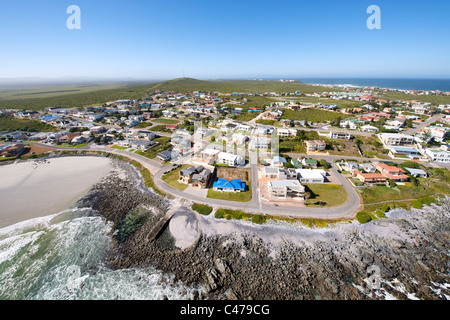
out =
column 230, row 86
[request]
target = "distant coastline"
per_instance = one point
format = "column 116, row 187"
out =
column 390, row 83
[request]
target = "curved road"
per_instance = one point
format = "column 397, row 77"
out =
column 345, row 211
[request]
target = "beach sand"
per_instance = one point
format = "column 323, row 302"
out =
column 39, row 188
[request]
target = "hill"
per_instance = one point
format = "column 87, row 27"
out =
column 230, row 86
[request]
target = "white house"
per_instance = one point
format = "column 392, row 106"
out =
column 369, row 128
column 340, row 135
column 230, row 159
column 438, row 155
column 396, row 139
column 311, row 175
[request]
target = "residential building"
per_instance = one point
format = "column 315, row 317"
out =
column 280, row 173
column 311, row 175
column 260, row 143
column 239, row 139
column 402, row 152
column 439, row 134
column 315, row 145
column 348, row 166
column 13, row 151
column 417, row 172
column 369, row 177
column 396, row 139
column 291, row 189
column 198, row 176
column 165, row 155
column 391, row 172
column 142, row 145
column 278, row 161
column 229, row 185
column 230, row 159
column 340, row 135
column 309, row 163
column 286, row 132
column 438, row 155
column 369, row 128
column 367, row 167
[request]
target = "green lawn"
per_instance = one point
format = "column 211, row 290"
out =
column 171, row 178
column 118, row 147
column 165, row 121
column 231, row 196
column 313, row 115
column 326, row 195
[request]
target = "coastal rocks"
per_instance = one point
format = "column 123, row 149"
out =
column 410, row 255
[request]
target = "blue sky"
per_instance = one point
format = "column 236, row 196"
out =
column 224, row 39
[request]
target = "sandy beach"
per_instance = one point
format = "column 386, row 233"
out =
column 39, row 188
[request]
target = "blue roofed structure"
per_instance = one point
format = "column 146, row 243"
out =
column 226, row 185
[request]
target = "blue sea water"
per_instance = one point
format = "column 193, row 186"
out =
column 391, row 83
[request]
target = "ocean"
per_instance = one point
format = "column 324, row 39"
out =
column 391, row 83
column 64, row 257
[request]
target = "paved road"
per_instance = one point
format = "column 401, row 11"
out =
column 347, row 210
column 423, row 124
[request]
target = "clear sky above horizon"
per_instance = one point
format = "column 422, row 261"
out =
column 224, row 39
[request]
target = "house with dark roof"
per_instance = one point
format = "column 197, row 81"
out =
column 198, row 176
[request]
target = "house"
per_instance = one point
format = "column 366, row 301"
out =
column 438, row 155
column 147, row 135
column 367, row 167
column 198, row 176
column 165, row 155
column 13, row 151
column 67, row 138
column 349, row 166
column 209, row 155
column 97, row 129
column 396, row 139
column 279, row 173
column 315, row 145
column 286, row 132
column 340, row 135
column 278, row 161
column 296, row 163
column 394, row 173
column 291, row 189
column 142, row 145
column 369, row 177
column 239, row 139
column 311, row 175
column 439, row 134
column 402, row 152
column 417, row 172
column 79, row 140
column 229, row 185
column 309, row 163
column 369, row 128
column 260, row 143
column 230, row 159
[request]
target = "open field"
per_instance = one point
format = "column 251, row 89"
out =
column 313, row 115
column 325, row 195
column 8, row 123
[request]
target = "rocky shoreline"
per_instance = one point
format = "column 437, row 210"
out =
column 403, row 256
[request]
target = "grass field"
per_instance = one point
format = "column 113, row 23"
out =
column 437, row 183
column 313, row 115
column 171, row 178
column 326, row 195
column 165, row 121
column 8, row 123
